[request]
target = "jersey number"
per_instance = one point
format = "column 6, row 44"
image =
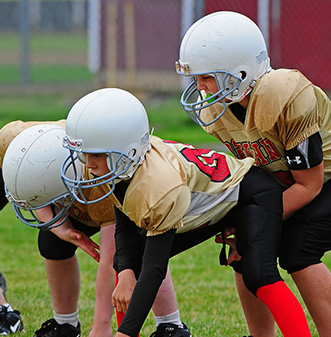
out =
column 209, row 162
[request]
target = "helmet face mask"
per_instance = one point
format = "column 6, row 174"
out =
column 117, row 164
column 27, row 213
column 193, row 100
column 31, row 172
column 107, row 121
column 228, row 46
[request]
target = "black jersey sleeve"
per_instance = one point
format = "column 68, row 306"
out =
column 307, row 154
column 130, row 243
column 154, row 268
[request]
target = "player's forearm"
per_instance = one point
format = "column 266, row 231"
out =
column 308, row 184
column 292, row 203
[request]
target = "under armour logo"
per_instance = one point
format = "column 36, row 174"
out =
column 295, row 160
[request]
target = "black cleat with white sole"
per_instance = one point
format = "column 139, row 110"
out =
column 51, row 328
column 10, row 321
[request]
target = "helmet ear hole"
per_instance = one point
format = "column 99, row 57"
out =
column 132, row 153
column 242, row 74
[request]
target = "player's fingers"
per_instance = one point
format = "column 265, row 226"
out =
column 118, row 306
column 125, row 305
column 95, row 245
column 90, row 250
column 234, row 256
column 121, row 306
column 218, row 238
column 231, row 242
column 229, row 231
column 94, row 253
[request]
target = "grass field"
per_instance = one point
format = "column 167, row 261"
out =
column 206, row 293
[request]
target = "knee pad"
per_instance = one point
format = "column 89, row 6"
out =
column 52, row 247
column 257, row 274
column 258, row 243
column 252, row 272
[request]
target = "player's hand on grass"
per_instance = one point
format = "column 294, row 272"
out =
column 230, row 239
column 124, row 289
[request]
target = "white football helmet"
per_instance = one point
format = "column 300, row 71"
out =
column 228, row 46
column 110, row 121
column 32, row 175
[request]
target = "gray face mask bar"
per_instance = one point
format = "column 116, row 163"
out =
column 193, row 101
column 77, row 185
column 26, row 213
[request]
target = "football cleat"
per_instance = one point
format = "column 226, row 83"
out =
column 10, row 321
column 171, row 330
column 51, row 328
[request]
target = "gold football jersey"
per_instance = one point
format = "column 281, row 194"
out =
column 179, row 186
column 96, row 214
column 284, row 109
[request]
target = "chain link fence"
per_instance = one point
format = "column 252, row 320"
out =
column 84, row 44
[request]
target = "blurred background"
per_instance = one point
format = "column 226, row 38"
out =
column 52, row 52
column 70, row 47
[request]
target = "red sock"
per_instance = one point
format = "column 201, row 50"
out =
column 119, row 315
column 285, row 308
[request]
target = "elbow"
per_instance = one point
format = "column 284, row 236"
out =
column 317, row 190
